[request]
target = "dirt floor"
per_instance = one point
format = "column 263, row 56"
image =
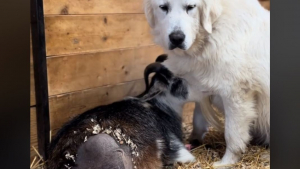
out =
column 212, row 150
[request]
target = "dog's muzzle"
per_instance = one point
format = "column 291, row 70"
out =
column 177, row 39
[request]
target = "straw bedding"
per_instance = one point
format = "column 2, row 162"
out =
column 212, row 150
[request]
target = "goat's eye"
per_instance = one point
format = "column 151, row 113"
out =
column 190, row 7
column 165, row 8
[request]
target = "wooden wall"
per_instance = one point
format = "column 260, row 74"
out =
column 96, row 53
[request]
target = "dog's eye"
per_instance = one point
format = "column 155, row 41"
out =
column 190, row 7
column 165, row 8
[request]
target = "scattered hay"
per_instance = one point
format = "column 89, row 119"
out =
column 37, row 164
column 212, row 150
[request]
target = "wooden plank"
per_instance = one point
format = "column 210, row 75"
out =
column 77, row 7
column 188, row 112
column 95, row 33
column 64, row 7
column 33, row 132
column 84, row 71
column 64, row 107
column 32, row 87
column 265, row 4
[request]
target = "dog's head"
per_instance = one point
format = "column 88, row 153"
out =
column 178, row 24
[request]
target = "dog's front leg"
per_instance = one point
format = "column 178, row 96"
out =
column 199, row 126
column 239, row 114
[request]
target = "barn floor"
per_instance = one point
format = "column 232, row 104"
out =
column 212, row 150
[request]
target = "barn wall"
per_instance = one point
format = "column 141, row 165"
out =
column 96, row 53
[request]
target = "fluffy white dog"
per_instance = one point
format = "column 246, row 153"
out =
column 222, row 47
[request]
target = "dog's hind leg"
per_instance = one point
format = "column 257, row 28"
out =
column 205, row 115
column 217, row 102
column 240, row 113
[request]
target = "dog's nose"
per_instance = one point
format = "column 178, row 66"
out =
column 177, row 38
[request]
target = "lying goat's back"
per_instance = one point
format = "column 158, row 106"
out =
column 144, row 124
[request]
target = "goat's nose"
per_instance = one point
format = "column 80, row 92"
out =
column 177, row 38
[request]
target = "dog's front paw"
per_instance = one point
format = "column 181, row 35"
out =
column 222, row 165
column 227, row 161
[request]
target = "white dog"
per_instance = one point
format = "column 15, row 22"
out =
column 222, row 47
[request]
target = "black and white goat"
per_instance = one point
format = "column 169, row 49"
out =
column 142, row 132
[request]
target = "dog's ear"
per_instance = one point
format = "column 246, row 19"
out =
column 149, row 12
column 210, row 10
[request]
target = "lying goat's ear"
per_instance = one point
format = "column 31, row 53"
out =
column 161, row 58
column 149, row 95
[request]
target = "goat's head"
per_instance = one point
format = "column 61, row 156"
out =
column 164, row 85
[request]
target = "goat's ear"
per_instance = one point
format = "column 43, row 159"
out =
column 149, row 12
column 151, row 94
column 210, row 11
column 161, row 58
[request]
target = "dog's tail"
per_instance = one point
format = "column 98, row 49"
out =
column 213, row 117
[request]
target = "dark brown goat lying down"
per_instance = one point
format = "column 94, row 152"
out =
column 141, row 132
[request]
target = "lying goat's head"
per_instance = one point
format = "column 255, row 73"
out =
column 165, row 87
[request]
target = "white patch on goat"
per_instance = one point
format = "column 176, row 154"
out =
column 146, row 105
column 67, row 166
column 184, row 156
column 160, row 147
column 96, row 129
column 69, row 156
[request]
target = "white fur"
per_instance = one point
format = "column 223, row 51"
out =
column 228, row 55
column 160, row 147
column 184, row 156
